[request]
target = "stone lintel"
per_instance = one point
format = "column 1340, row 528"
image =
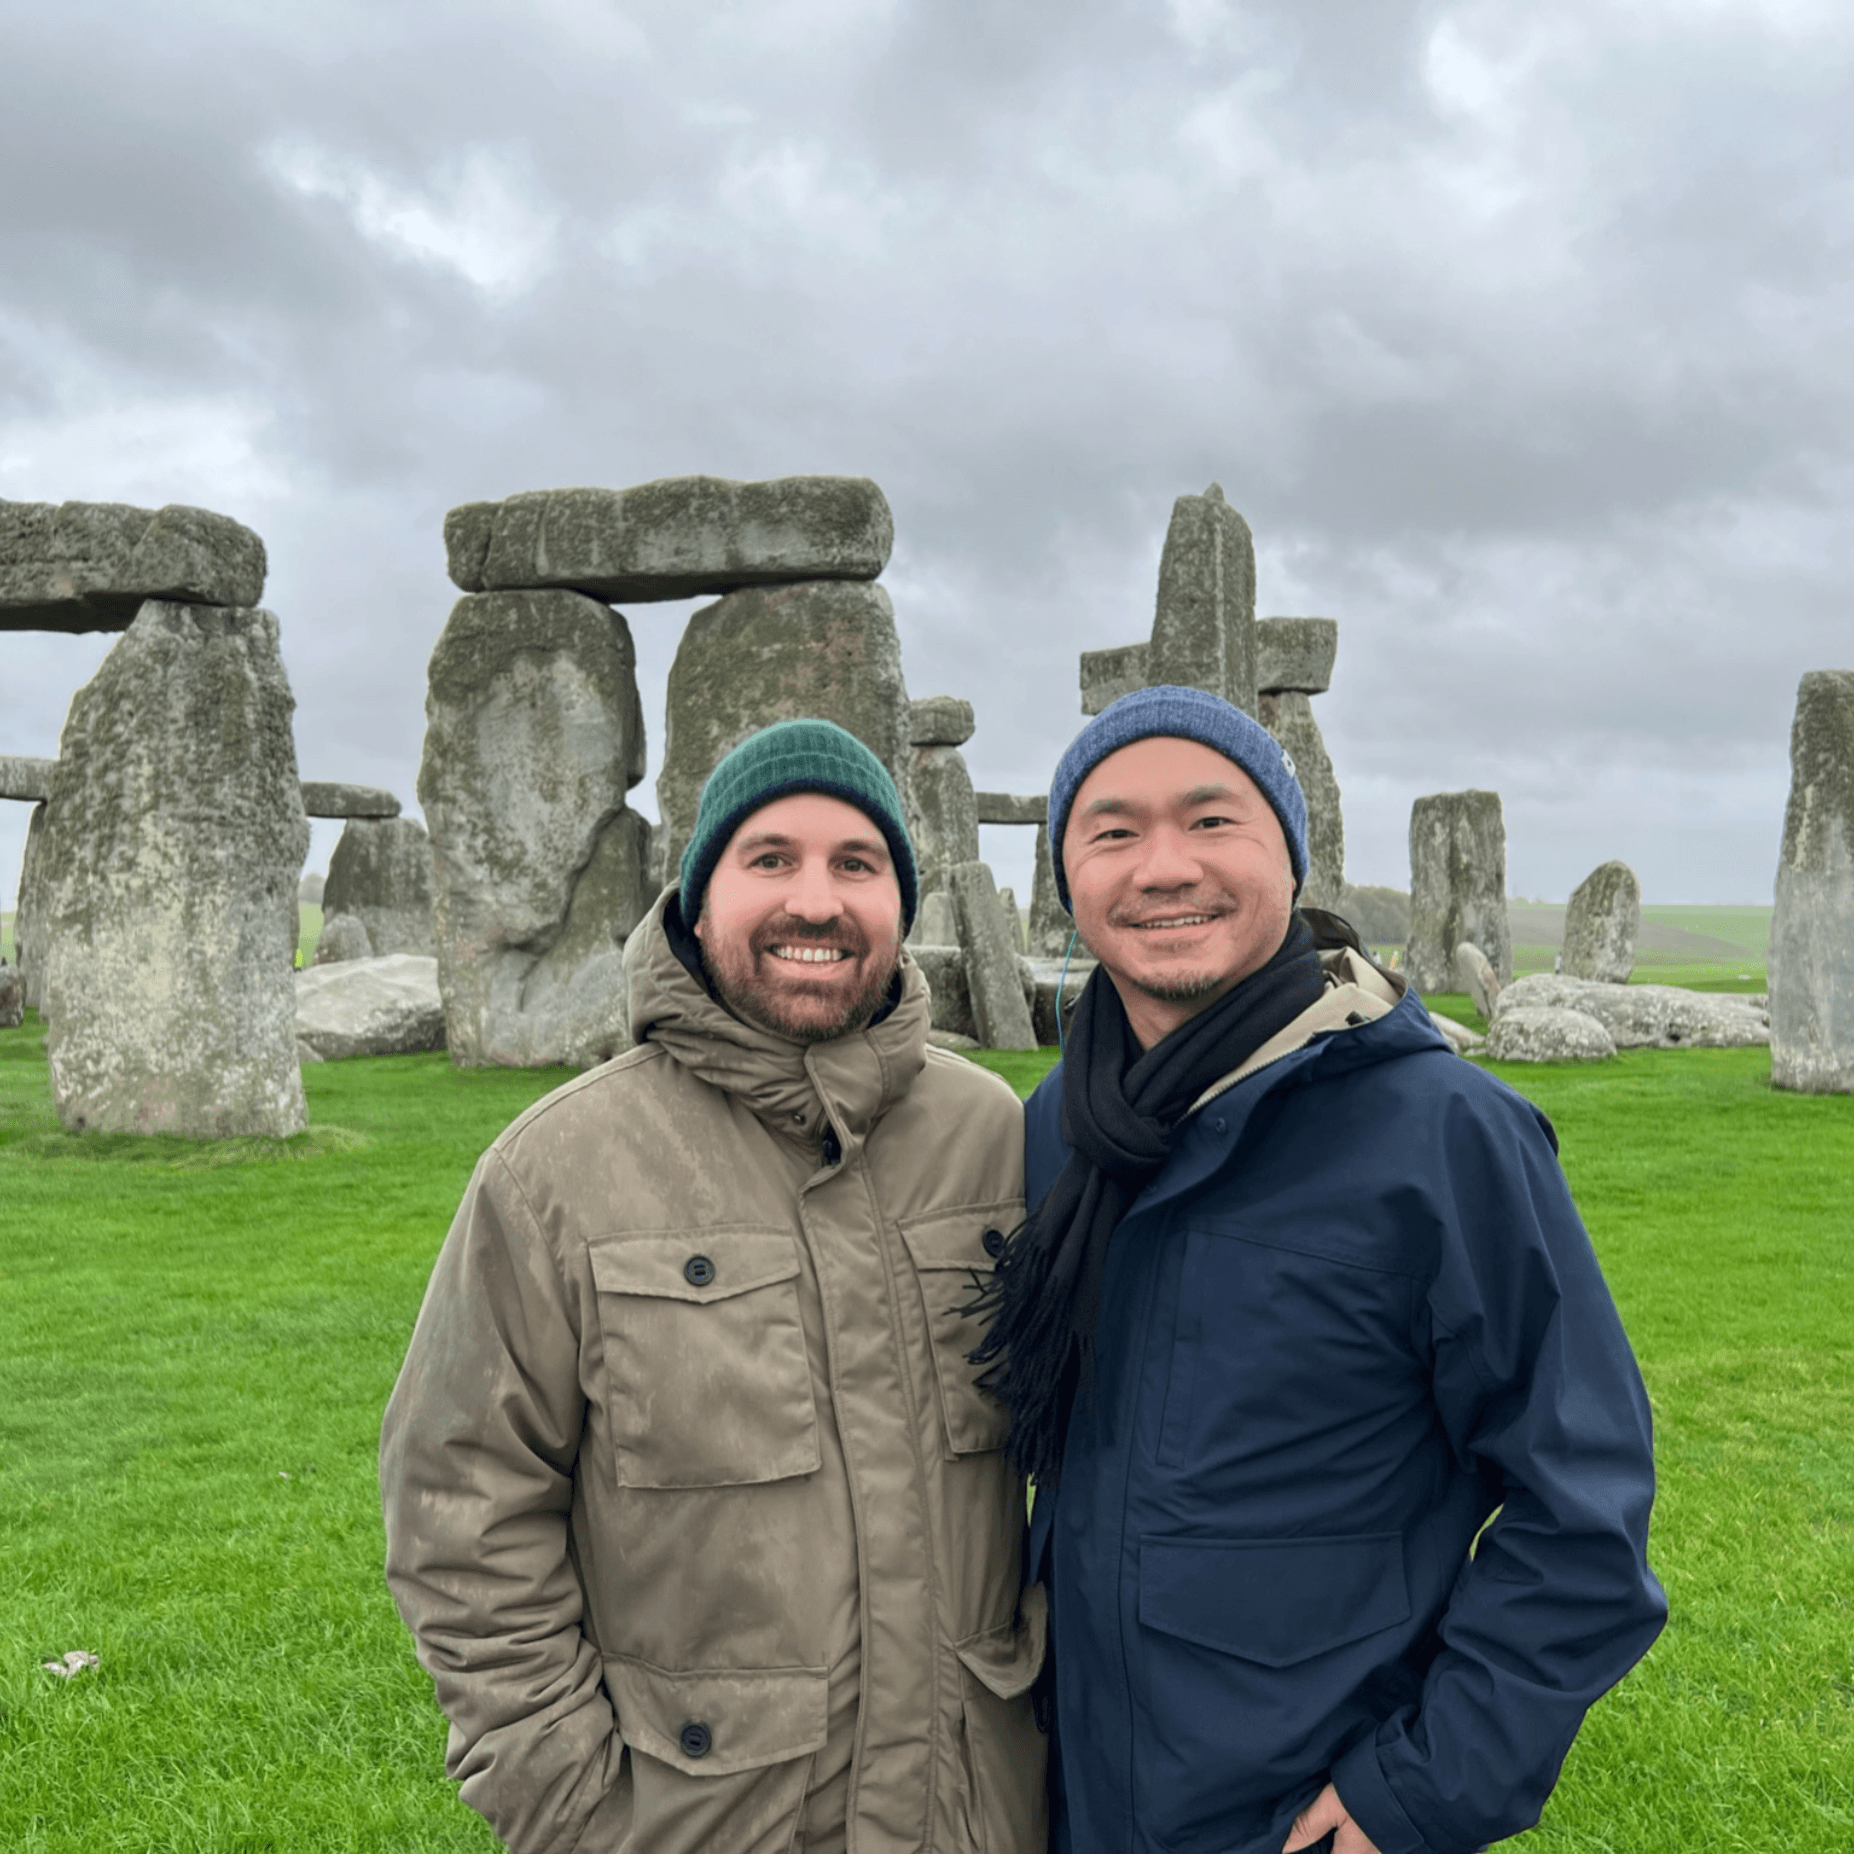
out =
column 328, row 798
column 91, row 566
column 27, row 780
column 1008, row 808
column 1107, row 675
column 1295, row 654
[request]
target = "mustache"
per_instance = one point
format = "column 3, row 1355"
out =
column 787, row 930
column 1214, row 904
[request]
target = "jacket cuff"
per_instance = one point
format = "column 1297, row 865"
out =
column 1369, row 1802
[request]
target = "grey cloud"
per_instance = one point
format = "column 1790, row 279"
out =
column 1519, row 336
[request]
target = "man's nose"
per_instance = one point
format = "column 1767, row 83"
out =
column 813, row 895
column 1167, row 860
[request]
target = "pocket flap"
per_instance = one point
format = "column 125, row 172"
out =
column 1009, row 1659
column 699, row 1265
column 1274, row 1601
column 956, row 1238
column 750, row 1716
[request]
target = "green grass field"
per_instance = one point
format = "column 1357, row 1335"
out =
column 196, row 1342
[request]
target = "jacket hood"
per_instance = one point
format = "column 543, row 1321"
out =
column 795, row 1088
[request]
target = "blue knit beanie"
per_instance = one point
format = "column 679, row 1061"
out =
column 1186, row 714
column 788, row 757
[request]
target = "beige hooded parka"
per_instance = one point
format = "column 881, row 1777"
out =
column 691, row 1503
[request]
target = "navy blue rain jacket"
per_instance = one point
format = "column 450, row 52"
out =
column 1355, row 1315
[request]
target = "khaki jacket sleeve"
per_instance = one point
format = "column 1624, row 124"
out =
column 476, row 1474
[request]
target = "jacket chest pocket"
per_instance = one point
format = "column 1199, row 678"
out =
column 710, row 1383
column 953, row 1252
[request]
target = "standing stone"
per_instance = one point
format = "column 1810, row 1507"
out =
column 381, row 874
column 993, row 976
column 533, row 736
column 175, row 834
column 1051, row 925
column 673, row 538
column 826, row 650
column 88, row 566
column 1457, row 886
column 1288, row 715
column 1600, row 925
column 310, row 889
column 1294, row 660
column 1812, row 930
column 936, row 923
column 1203, row 631
column 946, row 831
column 1013, row 917
column 12, row 997
column 29, row 917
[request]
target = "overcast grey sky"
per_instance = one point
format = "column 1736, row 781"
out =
column 1520, row 334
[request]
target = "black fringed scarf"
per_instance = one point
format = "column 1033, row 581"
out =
column 1120, row 1108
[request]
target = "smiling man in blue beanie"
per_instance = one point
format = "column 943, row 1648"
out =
column 1343, row 1462
column 700, row 1522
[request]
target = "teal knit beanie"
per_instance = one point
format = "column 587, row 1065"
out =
column 788, row 757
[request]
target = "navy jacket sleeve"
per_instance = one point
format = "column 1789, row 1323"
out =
column 1538, row 1391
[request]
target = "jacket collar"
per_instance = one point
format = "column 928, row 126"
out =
column 1357, row 993
column 795, row 1088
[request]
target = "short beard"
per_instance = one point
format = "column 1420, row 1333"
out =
column 1180, row 990
column 735, row 974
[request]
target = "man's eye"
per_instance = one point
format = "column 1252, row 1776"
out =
column 1213, row 822
column 855, row 865
column 768, row 859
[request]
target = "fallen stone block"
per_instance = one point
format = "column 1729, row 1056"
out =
column 1644, row 1016
column 673, row 538
column 1539, row 1033
column 343, row 940
column 1475, row 975
column 370, row 1007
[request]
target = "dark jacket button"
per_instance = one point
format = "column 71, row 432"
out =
column 696, row 1739
column 698, row 1271
column 994, row 1243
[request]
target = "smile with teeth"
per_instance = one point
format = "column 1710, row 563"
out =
column 810, row 955
column 1178, row 920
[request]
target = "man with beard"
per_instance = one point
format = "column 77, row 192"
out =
column 1343, row 1463
column 693, row 1507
